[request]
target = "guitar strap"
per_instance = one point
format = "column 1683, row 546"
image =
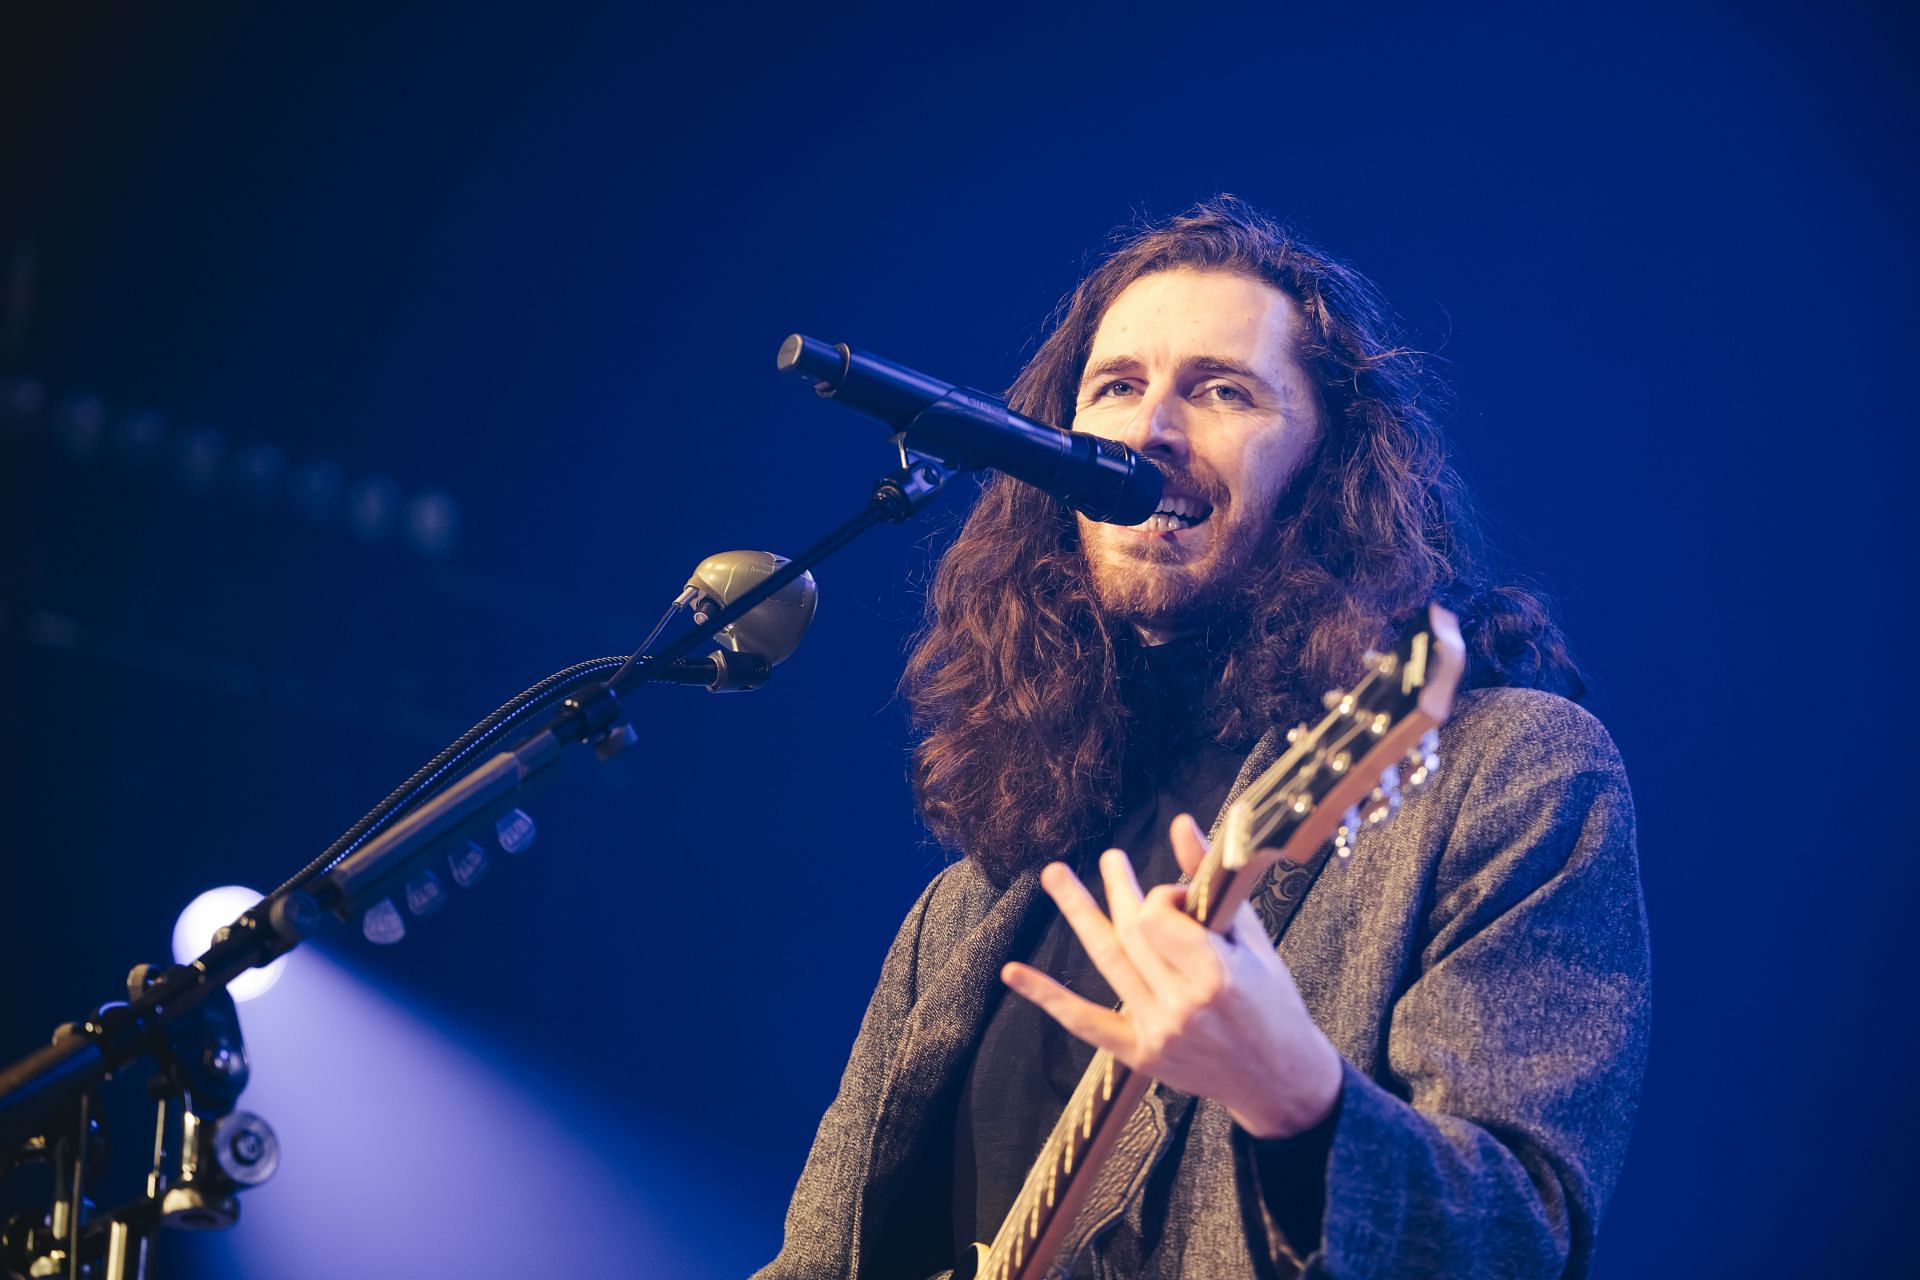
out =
column 1281, row 890
column 1275, row 899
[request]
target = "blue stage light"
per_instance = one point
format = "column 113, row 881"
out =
column 210, row 912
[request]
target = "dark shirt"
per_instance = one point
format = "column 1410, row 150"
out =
column 1027, row 1065
column 1481, row 965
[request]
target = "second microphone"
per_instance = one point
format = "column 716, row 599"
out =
column 964, row 428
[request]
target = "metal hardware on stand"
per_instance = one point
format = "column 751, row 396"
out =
column 202, row 1063
column 182, row 1017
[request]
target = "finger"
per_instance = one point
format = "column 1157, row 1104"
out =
column 1170, row 895
column 1189, row 843
column 1123, row 896
column 1095, row 931
column 1188, row 950
column 1123, row 890
column 1101, row 1028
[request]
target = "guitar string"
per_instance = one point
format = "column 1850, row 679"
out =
column 1024, row 1217
column 1285, row 798
column 1262, row 809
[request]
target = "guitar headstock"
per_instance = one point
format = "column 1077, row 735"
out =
column 1351, row 769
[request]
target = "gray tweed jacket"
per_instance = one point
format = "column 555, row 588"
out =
column 1481, row 962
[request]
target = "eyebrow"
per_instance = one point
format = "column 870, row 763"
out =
column 1202, row 364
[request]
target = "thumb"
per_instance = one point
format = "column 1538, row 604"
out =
column 1189, row 844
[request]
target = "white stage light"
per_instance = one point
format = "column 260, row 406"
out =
column 205, row 916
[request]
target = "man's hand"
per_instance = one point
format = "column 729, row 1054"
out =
column 1211, row 1015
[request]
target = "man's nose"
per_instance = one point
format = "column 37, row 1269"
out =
column 1157, row 427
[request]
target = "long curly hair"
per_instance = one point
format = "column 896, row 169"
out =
column 1014, row 684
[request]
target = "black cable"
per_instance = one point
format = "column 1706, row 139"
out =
column 548, row 693
column 895, row 498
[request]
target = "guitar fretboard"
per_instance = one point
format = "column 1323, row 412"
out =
column 1089, row 1125
column 1327, row 767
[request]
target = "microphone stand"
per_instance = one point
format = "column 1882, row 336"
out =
column 84, row 1054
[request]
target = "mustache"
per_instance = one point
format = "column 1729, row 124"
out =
column 1206, row 487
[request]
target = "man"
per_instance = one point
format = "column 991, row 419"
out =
column 1435, row 1073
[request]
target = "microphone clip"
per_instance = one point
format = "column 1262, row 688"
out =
column 920, row 478
column 607, row 730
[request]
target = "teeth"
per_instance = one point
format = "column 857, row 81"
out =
column 1176, row 512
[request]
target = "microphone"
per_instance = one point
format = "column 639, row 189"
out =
column 718, row 672
column 772, row 629
column 756, row 643
column 964, row 428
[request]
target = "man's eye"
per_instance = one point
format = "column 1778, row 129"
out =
column 1118, row 387
column 1224, row 391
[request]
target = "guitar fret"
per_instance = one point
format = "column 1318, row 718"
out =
column 1323, row 763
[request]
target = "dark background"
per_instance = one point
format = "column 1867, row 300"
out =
column 362, row 367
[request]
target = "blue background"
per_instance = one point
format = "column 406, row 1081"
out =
column 273, row 280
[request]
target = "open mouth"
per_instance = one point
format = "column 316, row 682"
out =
column 1176, row 512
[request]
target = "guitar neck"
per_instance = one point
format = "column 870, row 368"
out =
column 1336, row 776
column 1108, row 1093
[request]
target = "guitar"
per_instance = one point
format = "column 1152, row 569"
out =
column 1336, row 777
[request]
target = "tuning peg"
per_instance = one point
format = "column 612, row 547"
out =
column 1296, row 733
column 1390, row 782
column 1421, row 766
column 1349, row 831
column 1382, row 808
column 1384, row 801
column 1376, row 809
column 1422, row 761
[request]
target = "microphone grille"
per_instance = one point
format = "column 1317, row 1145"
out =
column 1124, row 487
column 771, row 630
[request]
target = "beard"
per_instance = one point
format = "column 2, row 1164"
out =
column 1165, row 586
column 1159, row 585
column 1151, row 585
